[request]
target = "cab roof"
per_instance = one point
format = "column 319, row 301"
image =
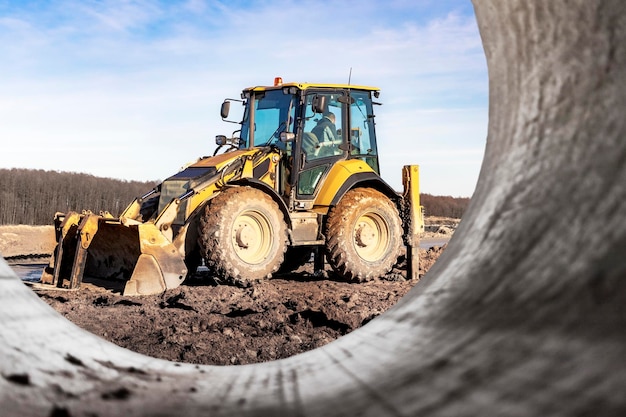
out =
column 278, row 84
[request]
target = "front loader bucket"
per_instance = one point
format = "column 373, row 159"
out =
column 127, row 257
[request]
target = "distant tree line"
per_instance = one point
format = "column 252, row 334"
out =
column 444, row 206
column 33, row 196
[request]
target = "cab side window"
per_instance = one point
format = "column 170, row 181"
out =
column 322, row 132
column 362, row 137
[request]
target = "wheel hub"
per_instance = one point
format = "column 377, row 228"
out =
column 244, row 236
column 371, row 237
column 365, row 235
column 252, row 237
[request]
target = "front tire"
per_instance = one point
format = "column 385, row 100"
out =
column 242, row 235
column 363, row 235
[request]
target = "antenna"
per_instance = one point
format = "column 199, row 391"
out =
column 350, row 76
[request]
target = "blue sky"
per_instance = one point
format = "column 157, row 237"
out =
column 132, row 89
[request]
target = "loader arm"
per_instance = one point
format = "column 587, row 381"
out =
column 133, row 256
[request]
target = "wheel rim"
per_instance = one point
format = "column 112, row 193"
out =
column 371, row 237
column 252, row 236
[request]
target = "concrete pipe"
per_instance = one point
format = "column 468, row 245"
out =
column 524, row 314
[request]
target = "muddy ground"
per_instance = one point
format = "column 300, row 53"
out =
column 206, row 323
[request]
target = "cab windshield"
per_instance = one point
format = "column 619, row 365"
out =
column 273, row 113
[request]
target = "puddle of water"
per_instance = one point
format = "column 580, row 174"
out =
column 28, row 272
column 430, row 242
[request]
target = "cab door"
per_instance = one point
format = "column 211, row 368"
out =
column 322, row 142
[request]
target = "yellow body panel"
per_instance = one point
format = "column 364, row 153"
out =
column 222, row 160
column 304, row 86
column 337, row 176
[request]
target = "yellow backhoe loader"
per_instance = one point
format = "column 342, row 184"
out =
column 299, row 176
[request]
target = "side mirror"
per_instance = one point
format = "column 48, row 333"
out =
column 225, row 109
column 319, row 104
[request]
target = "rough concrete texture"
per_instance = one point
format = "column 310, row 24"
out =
column 524, row 314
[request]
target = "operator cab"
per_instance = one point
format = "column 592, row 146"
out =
column 313, row 125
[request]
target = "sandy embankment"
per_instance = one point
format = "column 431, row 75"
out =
column 22, row 243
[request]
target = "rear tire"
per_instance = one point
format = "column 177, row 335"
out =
column 242, row 235
column 363, row 235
